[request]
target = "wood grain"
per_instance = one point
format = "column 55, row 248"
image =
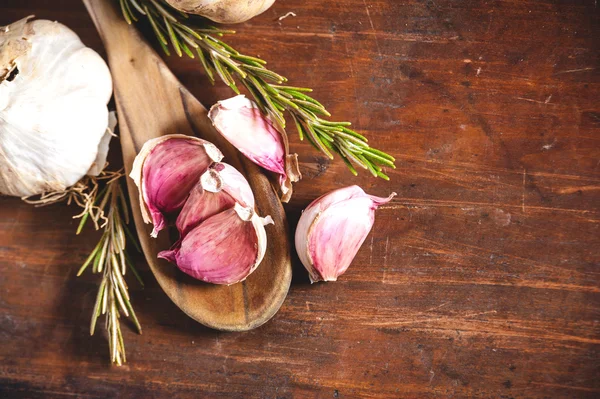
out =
column 480, row 279
column 151, row 103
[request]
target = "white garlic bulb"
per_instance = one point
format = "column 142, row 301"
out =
column 223, row 11
column 53, row 108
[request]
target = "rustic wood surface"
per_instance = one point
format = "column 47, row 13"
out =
column 481, row 279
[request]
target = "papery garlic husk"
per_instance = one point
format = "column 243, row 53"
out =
column 241, row 122
column 223, row 11
column 219, row 189
column 103, row 146
column 54, row 93
column 332, row 229
column 223, row 249
column 165, row 171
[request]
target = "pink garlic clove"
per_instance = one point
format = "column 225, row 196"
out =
column 224, row 177
column 223, row 249
column 332, row 229
column 220, row 187
column 242, row 123
column 165, row 171
column 201, row 205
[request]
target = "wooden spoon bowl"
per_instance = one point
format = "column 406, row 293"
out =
column 151, row 102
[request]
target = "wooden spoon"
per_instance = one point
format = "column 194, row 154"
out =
column 151, row 102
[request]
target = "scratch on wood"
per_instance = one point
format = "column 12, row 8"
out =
column 450, row 176
column 534, row 101
column 372, row 27
column 437, row 307
column 547, row 147
column 371, row 251
column 478, row 314
column 470, row 327
column 574, row 189
column 49, row 263
column 542, row 285
column 425, row 204
column 385, row 257
column 318, row 351
column 356, row 107
column 429, row 319
column 589, row 220
column 255, row 358
column 351, row 67
column 575, row 70
column 306, row 34
column 548, row 99
column 565, row 386
column 523, row 195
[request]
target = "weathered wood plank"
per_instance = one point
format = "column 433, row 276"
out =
column 481, row 279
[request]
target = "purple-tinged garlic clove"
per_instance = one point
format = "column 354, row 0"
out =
column 166, row 170
column 241, row 122
column 220, row 187
column 332, row 229
column 223, row 249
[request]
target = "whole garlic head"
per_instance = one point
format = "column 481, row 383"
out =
column 53, row 108
column 223, row 11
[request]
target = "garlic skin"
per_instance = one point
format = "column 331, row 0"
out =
column 54, row 93
column 241, row 122
column 103, row 146
column 220, row 187
column 332, row 229
column 223, row 11
column 224, row 249
column 165, row 171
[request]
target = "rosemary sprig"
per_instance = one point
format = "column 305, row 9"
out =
column 109, row 258
column 108, row 211
column 173, row 30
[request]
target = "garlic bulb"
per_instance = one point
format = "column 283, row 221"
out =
column 242, row 123
column 223, row 249
column 220, row 187
column 332, row 229
column 223, row 11
column 165, row 171
column 53, row 108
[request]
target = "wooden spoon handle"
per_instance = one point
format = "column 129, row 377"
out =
column 138, row 72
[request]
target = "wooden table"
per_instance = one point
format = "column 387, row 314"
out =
column 480, row 279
